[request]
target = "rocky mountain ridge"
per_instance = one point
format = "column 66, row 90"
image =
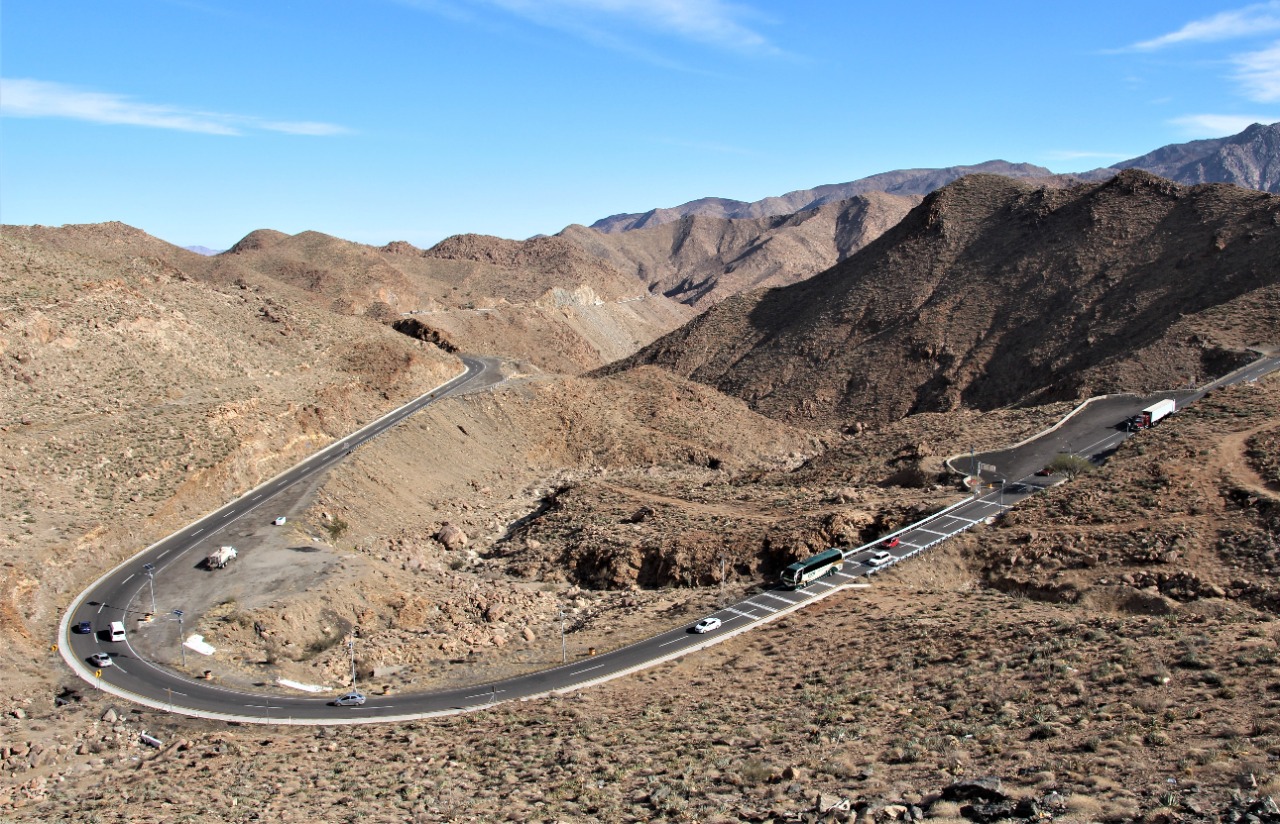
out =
column 993, row 291
column 1250, row 159
column 918, row 182
column 700, row 260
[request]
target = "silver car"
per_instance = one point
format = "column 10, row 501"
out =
column 351, row 699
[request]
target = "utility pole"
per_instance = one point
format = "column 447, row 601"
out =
column 564, row 650
column 150, row 569
column 722, row 579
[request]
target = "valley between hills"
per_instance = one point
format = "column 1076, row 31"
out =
column 752, row 388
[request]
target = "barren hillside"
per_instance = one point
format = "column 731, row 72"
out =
column 994, row 292
column 1108, row 653
column 135, row 398
column 701, row 260
column 543, row 300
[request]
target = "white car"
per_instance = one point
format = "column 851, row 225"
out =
column 280, row 521
column 100, row 659
column 707, row 625
column 879, row 559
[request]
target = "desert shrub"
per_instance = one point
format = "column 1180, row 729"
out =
column 1070, row 465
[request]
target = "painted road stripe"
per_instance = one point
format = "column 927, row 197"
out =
column 935, row 532
column 483, row 694
column 761, row 606
column 750, row 615
column 197, row 532
column 130, row 578
column 588, row 669
column 162, row 554
column 667, row 643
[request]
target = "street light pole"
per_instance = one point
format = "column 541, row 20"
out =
column 150, row 569
column 351, row 648
column 182, row 647
column 564, row 650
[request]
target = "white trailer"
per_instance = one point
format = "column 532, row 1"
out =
column 1158, row 411
column 221, row 558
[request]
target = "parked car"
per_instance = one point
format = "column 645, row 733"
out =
column 1045, row 472
column 879, row 559
column 890, row 543
column 280, row 521
column 351, row 699
column 707, row 625
column 84, row 628
column 100, row 659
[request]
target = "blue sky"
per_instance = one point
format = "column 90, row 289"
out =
column 377, row 120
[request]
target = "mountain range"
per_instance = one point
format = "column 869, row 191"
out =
column 994, row 291
column 1250, row 159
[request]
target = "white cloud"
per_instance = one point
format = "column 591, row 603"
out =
column 1246, row 22
column 613, row 23
column 1259, row 74
column 1217, row 125
column 21, row 97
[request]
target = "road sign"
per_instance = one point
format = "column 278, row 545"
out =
column 179, row 613
column 97, row 673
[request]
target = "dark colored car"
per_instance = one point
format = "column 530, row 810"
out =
column 84, row 628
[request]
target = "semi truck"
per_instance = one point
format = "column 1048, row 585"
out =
column 1153, row 414
column 221, row 558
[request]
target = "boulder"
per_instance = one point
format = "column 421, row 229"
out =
column 451, row 536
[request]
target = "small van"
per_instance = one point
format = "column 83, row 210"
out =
column 879, row 559
column 117, row 630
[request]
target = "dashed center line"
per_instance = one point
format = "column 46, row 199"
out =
column 588, row 669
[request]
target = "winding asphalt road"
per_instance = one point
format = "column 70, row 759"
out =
column 1092, row 431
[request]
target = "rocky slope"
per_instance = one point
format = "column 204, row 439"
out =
column 543, row 300
column 133, row 397
column 1108, row 653
column 994, row 292
column 700, row 260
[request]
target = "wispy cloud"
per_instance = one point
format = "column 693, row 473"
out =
column 1249, row 21
column 616, row 24
column 1259, row 74
column 21, row 97
column 1217, row 125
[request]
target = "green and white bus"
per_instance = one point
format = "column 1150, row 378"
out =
column 803, row 573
